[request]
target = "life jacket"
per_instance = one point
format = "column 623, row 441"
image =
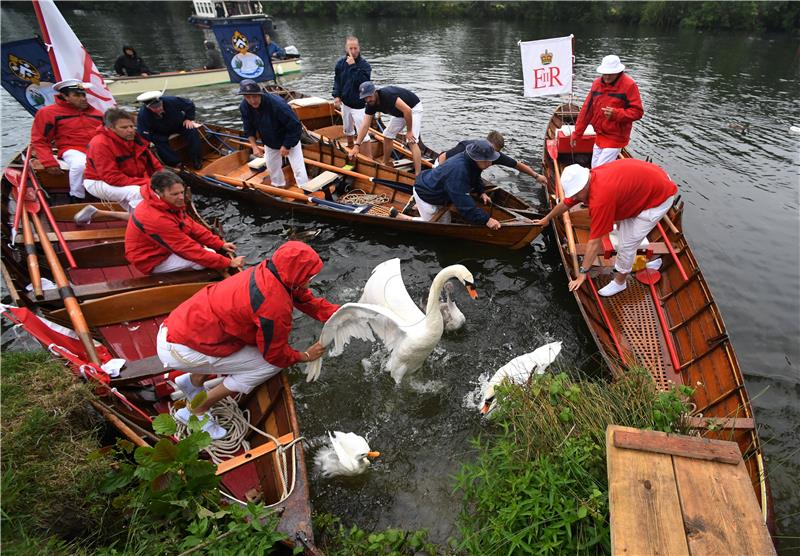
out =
column 623, row 95
column 65, row 125
column 114, row 160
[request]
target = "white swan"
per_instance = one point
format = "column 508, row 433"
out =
column 347, row 455
column 518, row 371
column 452, row 316
column 386, row 309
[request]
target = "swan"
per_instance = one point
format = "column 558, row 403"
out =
column 347, row 455
column 518, row 371
column 452, row 316
column 386, row 309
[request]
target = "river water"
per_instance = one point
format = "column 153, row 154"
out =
column 741, row 217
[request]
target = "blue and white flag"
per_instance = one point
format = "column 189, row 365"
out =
column 27, row 74
column 245, row 51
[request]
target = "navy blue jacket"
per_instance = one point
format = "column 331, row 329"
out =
column 274, row 121
column 155, row 129
column 452, row 182
column 347, row 79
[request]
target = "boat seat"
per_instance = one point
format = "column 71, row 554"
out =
column 403, row 162
column 139, row 369
column 319, row 182
column 308, row 101
column 657, row 247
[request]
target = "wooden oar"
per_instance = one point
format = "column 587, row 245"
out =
column 398, row 146
column 65, row 290
column 30, row 250
column 12, row 290
column 56, row 230
column 21, row 191
column 406, row 188
column 568, row 224
column 605, row 318
column 672, row 252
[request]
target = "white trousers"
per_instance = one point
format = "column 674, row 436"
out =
column 631, row 232
column 427, row 211
column 274, row 163
column 601, row 156
column 175, row 262
column 126, row 195
column 76, row 164
column 351, row 121
column 396, row 124
column 243, row 370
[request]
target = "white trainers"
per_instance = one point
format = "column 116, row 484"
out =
column 655, row 264
column 211, row 427
column 84, row 216
column 612, row 288
column 184, row 382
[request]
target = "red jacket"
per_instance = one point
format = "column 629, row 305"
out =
column 253, row 308
column 114, row 160
column 69, row 127
column 623, row 96
column 157, row 229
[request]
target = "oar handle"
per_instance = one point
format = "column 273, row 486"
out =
column 336, row 169
column 30, row 250
column 568, row 223
column 262, row 187
column 22, row 186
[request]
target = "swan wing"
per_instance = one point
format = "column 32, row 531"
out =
column 519, row 369
column 385, row 288
column 345, row 458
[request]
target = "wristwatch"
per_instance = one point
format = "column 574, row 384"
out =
column 582, row 270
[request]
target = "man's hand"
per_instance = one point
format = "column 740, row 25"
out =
column 608, row 112
column 144, row 74
column 54, row 170
column 191, row 124
column 540, row 178
column 284, row 151
column 350, row 60
column 493, row 224
column 237, row 262
column 337, row 102
column 542, row 222
column 410, row 139
column 576, row 283
column 354, row 152
column 485, row 198
column 314, row 352
column 573, row 140
column 229, row 247
column 257, row 150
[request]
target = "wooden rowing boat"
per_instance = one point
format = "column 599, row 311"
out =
column 626, row 326
column 362, row 191
column 122, row 311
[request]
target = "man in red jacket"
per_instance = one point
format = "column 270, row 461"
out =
column 119, row 161
column 633, row 193
column 240, row 328
column 162, row 238
column 70, row 124
column 611, row 107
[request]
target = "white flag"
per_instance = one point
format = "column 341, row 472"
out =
column 547, row 66
column 72, row 60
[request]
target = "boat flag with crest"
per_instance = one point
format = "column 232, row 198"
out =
column 69, row 58
column 27, row 74
column 547, row 66
column 244, row 48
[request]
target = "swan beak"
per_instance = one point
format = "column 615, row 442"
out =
column 373, row 454
column 473, row 293
column 485, row 409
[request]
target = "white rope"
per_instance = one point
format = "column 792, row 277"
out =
column 236, row 421
column 360, row 197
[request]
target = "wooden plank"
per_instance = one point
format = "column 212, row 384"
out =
column 721, row 514
column 643, row 501
column 253, row 454
column 740, row 423
column 663, row 443
column 98, row 255
column 319, row 182
column 84, row 235
column 134, row 305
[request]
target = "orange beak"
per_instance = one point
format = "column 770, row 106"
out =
column 485, row 409
column 373, row 454
column 473, row 293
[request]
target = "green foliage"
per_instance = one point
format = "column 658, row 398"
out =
column 539, row 483
column 335, row 539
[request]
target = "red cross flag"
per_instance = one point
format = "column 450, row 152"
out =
column 547, row 66
column 68, row 56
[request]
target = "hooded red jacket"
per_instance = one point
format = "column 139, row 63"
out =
column 253, row 308
column 157, row 229
column 65, row 125
column 114, row 160
column 623, row 96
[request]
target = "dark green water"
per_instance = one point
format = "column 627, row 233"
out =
column 741, row 217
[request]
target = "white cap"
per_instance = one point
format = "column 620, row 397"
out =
column 150, row 96
column 573, row 179
column 71, row 84
column 610, row 65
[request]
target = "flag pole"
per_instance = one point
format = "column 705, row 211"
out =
column 46, row 37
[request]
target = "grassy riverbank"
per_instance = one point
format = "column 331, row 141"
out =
column 538, row 483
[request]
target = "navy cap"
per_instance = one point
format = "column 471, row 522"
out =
column 366, row 89
column 482, row 151
column 249, row 87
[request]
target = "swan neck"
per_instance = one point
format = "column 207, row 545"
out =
column 436, row 291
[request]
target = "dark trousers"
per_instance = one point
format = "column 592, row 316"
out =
column 170, row 157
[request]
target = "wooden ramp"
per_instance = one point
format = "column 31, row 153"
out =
column 676, row 495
